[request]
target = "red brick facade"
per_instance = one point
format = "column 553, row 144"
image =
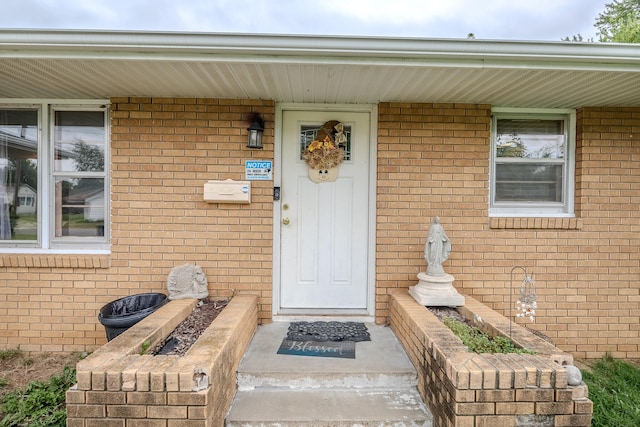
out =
column 433, row 159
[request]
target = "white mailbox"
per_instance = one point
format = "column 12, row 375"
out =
column 228, row 191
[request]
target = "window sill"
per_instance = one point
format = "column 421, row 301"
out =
column 542, row 223
column 56, row 260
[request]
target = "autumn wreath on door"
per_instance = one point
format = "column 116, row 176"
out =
column 325, row 153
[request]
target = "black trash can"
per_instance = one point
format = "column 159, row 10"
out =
column 123, row 313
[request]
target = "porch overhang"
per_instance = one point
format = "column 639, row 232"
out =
column 72, row 64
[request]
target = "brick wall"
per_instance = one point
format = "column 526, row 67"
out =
column 162, row 153
column 433, row 160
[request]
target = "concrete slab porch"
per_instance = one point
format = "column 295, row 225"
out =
column 377, row 388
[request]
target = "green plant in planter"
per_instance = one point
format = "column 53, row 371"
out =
column 481, row 342
column 145, row 347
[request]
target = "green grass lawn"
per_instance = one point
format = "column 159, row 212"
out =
column 614, row 388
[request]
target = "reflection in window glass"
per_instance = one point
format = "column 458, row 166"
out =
column 530, row 139
column 53, row 177
column 18, row 174
column 80, row 207
column 79, row 174
column 79, row 141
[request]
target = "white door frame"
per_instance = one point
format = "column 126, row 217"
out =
column 369, row 313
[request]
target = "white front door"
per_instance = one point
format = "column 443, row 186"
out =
column 325, row 226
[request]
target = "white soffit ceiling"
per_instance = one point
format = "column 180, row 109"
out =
column 78, row 65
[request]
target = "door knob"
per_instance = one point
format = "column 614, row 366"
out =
column 285, row 221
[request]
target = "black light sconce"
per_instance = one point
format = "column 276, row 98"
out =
column 256, row 129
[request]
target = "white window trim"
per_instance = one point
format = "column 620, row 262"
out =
column 45, row 243
column 538, row 209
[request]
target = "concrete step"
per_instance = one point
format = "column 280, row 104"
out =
column 380, row 362
column 377, row 388
column 335, row 407
column 326, row 380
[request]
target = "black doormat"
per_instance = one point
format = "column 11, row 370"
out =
column 328, row 331
column 324, row 339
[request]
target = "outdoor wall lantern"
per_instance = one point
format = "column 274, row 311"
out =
column 256, row 129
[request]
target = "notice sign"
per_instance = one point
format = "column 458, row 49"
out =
column 258, row 170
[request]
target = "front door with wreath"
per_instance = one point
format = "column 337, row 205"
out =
column 324, row 206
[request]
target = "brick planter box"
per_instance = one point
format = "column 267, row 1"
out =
column 119, row 386
column 464, row 389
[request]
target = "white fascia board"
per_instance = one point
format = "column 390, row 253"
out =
column 264, row 48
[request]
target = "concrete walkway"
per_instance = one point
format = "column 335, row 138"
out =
column 377, row 388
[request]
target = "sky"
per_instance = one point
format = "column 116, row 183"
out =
column 540, row 20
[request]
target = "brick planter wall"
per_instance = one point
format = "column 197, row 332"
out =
column 119, row 387
column 464, row 389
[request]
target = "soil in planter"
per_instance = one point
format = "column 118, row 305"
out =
column 190, row 329
column 442, row 312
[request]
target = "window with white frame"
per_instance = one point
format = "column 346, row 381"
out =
column 53, row 176
column 532, row 154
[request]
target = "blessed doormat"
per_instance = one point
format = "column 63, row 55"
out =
column 342, row 349
column 324, row 339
